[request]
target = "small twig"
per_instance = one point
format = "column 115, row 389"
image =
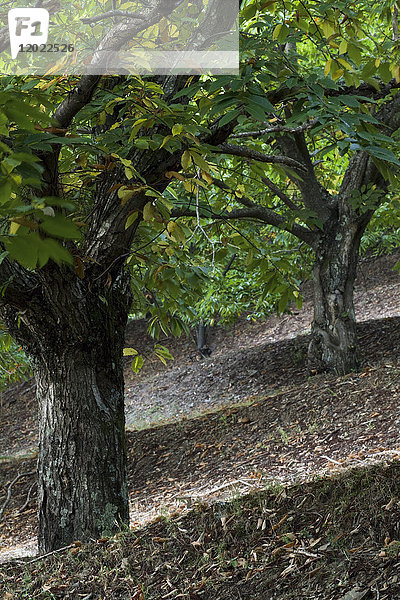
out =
column 384, row 452
column 28, row 497
column 9, row 490
column 224, row 485
column 276, row 129
column 199, row 225
column 274, row 188
column 111, row 14
column 180, row 460
column 395, row 22
column 306, row 553
column 331, row 460
column 42, row 556
column 252, row 154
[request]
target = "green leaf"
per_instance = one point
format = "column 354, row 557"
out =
column 283, row 302
column 383, row 154
column 249, row 11
column 187, row 91
column 141, row 144
column 61, row 227
column 163, row 353
column 176, row 232
column 131, row 219
column 24, row 114
column 186, row 160
column 5, row 191
column 220, row 105
column 51, row 249
column 354, row 54
column 199, row 161
column 256, row 111
column 125, row 194
column 261, row 101
column 280, row 32
column 349, row 101
column 23, row 248
column 228, row 117
column 177, row 129
column 137, row 363
column 148, row 212
column 385, row 72
column 130, row 352
column 369, row 69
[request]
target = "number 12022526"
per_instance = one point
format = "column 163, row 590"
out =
column 46, row 48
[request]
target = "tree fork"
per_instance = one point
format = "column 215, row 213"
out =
column 333, row 345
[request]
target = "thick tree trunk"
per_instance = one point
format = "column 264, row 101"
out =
column 74, row 332
column 333, row 335
column 82, row 453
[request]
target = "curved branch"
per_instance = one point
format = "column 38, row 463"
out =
column 76, row 100
column 245, row 152
column 281, row 195
column 249, row 203
column 315, row 197
column 225, row 187
column 260, row 213
column 277, row 129
column 113, row 13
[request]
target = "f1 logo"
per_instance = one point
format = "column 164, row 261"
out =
column 27, row 25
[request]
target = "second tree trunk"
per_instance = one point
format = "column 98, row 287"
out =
column 333, row 346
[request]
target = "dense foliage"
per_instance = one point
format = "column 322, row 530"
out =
column 322, row 70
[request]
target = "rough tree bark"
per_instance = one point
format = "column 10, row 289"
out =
column 74, row 334
column 333, row 345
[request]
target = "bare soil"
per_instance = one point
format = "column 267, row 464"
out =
column 205, row 431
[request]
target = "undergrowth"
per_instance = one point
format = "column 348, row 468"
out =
column 333, row 539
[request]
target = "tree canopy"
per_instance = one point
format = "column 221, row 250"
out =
column 112, row 186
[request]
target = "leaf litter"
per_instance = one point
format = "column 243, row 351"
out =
column 267, row 424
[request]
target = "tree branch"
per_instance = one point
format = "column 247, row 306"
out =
column 395, row 22
column 276, row 129
column 314, row 196
column 76, row 100
column 125, row 31
column 9, row 490
column 245, row 152
column 249, row 203
column 113, row 13
column 274, row 188
column 260, row 213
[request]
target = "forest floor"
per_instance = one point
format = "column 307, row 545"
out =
column 203, row 433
